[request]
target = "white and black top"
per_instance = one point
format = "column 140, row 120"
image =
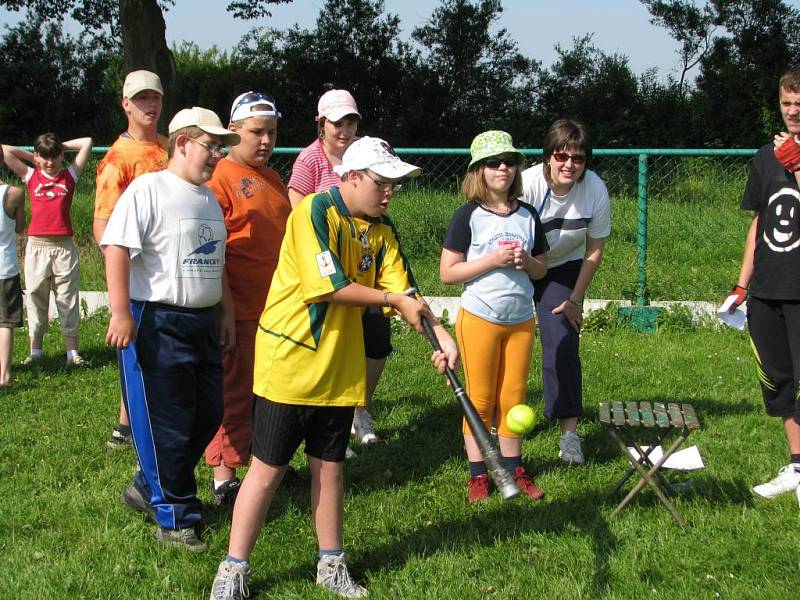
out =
column 773, row 193
column 9, row 267
column 568, row 220
column 502, row 295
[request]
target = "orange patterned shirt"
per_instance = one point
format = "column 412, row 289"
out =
column 125, row 160
column 255, row 206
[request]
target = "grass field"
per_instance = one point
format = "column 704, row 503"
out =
column 65, row 534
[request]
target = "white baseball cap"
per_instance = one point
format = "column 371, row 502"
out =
column 139, row 81
column 335, row 104
column 376, row 155
column 205, row 119
column 253, row 104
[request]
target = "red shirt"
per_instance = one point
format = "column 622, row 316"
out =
column 51, row 199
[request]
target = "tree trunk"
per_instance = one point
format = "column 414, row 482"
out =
column 144, row 46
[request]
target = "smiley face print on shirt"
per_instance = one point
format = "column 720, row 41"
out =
column 781, row 229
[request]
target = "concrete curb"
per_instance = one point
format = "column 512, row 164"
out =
column 92, row 301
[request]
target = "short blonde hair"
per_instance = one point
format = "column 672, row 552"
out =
column 474, row 185
column 192, row 131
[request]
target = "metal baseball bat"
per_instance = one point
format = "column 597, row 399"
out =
column 491, row 455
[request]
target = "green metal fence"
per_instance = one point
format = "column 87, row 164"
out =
column 647, row 175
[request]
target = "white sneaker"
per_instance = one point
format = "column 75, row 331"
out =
column 332, row 574
column 231, row 581
column 570, row 448
column 350, row 453
column 787, row 480
column 363, row 427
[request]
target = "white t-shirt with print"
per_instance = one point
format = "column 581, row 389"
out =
column 175, row 235
column 568, row 220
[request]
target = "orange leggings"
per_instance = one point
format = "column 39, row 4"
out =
column 496, row 359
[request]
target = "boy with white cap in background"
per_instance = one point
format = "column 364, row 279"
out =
column 140, row 149
column 171, row 314
column 338, row 257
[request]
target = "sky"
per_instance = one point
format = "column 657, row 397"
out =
column 618, row 26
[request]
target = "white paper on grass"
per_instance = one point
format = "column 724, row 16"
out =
column 737, row 318
column 687, row 459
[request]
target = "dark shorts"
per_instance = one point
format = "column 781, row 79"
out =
column 10, row 302
column 377, row 334
column 279, row 428
column 774, row 327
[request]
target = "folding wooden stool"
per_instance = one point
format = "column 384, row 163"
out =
column 633, row 420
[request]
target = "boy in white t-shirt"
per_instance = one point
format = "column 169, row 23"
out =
column 171, row 316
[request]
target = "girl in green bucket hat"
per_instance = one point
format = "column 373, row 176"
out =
column 495, row 246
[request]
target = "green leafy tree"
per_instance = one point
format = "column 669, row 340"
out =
column 49, row 81
column 354, row 46
column 471, row 77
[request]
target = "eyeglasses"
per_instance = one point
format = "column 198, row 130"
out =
column 562, row 157
column 257, row 100
column 218, row 149
column 494, row 163
column 384, row 186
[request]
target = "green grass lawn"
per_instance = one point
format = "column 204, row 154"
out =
column 65, row 534
column 694, row 251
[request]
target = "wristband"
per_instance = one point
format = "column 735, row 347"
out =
column 571, row 301
column 386, row 300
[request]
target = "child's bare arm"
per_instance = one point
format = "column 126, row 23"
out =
column 121, row 327
column 84, row 148
column 14, row 157
column 15, row 207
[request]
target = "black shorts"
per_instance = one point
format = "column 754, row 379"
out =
column 10, row 302
column 377, row 334
column 279, row 428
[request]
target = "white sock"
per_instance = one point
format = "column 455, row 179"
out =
column 37, row 352
column 71, row 354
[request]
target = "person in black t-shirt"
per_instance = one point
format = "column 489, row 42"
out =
column 770, row 278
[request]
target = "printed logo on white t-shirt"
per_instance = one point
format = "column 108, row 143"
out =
column 202, row 248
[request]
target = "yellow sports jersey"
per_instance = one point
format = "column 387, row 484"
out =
column 310, row 352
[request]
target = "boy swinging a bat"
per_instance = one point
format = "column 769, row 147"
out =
column 340, row 255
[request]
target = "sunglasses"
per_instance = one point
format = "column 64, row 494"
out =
column 494, row 163
column 271, row 109
column 562, row 157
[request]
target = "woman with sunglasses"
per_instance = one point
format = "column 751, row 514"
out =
column 495, row 246
column 337, row 124
column 573, row 204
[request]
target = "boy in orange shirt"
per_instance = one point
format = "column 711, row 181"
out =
column 140, row 149
column 255, row 206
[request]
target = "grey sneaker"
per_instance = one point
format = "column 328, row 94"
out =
column 134, row 499
column 332, row 574
column 182, row 538
column 570, row 448
column 225, row 495
column 787, row 480
column 119, row 440
column 231, row 581
column 363, row 427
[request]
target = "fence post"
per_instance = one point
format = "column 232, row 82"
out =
column 641, row 237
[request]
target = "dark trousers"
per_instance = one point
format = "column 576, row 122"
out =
column 774, row 327
column 172, row 388
column 561, row 362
